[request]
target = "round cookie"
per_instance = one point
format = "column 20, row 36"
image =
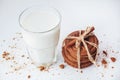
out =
column 69, row 50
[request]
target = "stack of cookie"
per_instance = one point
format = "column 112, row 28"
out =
column 69, row 50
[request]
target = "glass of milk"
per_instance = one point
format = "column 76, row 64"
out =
column 40, row 29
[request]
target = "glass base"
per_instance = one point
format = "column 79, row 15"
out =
column 43, row 57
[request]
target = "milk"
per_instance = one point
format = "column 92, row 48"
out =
column 41, row 33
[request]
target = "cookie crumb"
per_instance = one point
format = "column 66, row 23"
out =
column 113, row 51
column 27, row 57
column 112, row 67
column 12, row 57
column 98, row 65
column 29, row 76
column 8, row 58
column 15, row 62
column 62, row 66
column 104, row 62
column 104, row 52
column 5, row 54
column 42, row 68
column 23, row 56
column 81, row 71
column 113, row 59
column 98, row 54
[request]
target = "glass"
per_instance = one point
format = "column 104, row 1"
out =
column 40, row 29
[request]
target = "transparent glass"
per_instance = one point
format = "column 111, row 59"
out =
column 40, row 29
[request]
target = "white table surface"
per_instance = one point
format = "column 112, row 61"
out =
column 76, row 14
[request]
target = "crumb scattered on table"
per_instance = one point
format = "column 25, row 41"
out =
column 5, row 54
column 98, row 65
column 42, row 68
column 104, row 52
column 23, row 56
column 29, row 76
column 113, row 59
column 112, row 67
column 62, row 66
column 81, row 71
column 104, row 62
column 27, row 57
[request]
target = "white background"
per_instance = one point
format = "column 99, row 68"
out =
column 76, row 14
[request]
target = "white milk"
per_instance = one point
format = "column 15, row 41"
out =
column 41, row 33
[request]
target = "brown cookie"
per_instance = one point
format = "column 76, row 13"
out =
column 69, row 51
column 73, row 62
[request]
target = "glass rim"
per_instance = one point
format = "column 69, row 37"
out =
column 59, row 16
